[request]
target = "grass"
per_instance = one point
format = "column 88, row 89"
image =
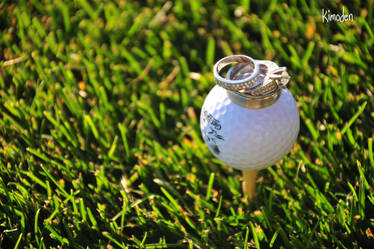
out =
column 99, row 126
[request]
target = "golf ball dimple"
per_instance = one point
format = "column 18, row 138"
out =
column 245, row 138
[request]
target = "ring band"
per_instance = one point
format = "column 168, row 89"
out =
column 262, row 94
column 269, row 85
column 236, row 84
column 241, row 70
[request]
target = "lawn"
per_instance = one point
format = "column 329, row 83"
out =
column 100, row 144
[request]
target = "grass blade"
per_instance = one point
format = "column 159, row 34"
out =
column 352, row 120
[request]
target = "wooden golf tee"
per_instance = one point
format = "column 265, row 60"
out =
column 249, row 183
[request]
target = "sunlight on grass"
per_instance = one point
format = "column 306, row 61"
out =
column 100, row 144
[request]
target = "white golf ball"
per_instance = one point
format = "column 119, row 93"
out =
column 250, row 139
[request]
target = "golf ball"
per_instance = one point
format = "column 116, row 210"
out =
column 249, row 139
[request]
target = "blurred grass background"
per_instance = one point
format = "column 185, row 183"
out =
column 100, row 144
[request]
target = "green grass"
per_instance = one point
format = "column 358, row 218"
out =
column 100, row 145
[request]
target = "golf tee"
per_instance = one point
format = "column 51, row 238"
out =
column 249, row 183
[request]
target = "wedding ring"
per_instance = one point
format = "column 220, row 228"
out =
column 235, row 85
column 265, row 91
column 241, row 70
column 254, row 102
